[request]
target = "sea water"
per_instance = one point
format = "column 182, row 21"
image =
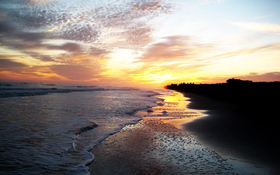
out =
column 50, row 129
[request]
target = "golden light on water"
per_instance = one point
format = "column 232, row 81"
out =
column 172, row 110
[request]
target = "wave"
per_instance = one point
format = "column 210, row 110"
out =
column 34, row 89
column 17, row 92
column 87, row 128
column 73, row 126
column 14, row 91
column 83, row 167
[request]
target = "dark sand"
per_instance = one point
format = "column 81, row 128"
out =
column 153, row 147
column 226, row 131
column 157, row 145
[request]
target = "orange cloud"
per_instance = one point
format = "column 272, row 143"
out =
column 77, row 67
column 270, row 76
column 34, row 74
column 76, row 72
column 173, row 48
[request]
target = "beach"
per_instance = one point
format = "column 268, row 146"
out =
column 160, row 144
column 229, row 132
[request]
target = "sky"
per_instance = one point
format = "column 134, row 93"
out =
column 139, row 43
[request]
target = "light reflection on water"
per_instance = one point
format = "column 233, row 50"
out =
column 172, row 109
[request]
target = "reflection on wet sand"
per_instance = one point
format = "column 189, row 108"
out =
column 172, row 109
column 157, row 145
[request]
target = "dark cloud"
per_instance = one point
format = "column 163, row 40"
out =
column 70, row 47
column 38, row 15
column 30, row 36
column 27, row 41
column 15, row 38
column 98, row 52
column 45, row 58
column 85, row 33
column 6, row 28
column 8, row 64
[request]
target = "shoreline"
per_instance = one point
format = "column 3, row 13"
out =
column 153, row 147
column 227, row 132
column 156, row 145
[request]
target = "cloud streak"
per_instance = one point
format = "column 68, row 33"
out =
column 260, row 27
column 7, row 64
column 173, row 48
column 270, row 76
column 246, row 51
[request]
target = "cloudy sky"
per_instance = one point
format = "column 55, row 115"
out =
column 139, row 42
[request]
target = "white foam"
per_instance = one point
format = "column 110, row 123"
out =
column 105, row 135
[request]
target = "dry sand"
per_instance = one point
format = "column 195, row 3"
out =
column 157, row 145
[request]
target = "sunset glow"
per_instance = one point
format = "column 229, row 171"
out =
column 139, row 43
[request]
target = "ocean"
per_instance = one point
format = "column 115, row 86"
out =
column 50, row 129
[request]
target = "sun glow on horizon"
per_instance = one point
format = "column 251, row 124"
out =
column 139, row 43
column 158, row 78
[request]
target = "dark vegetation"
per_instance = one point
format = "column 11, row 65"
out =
column 257, row 101
column 250, row 129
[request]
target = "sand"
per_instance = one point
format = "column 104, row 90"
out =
column 159, row 145
column 228, row 132
column 152, row 147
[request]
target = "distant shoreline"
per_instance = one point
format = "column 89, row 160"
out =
column 242, row 119
column 258, row 100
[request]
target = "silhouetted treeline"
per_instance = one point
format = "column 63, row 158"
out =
column 255, row 100
column 234, row 90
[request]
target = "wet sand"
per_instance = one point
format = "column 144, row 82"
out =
column 226, row 131
column 152, row 147
column 158, row 145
